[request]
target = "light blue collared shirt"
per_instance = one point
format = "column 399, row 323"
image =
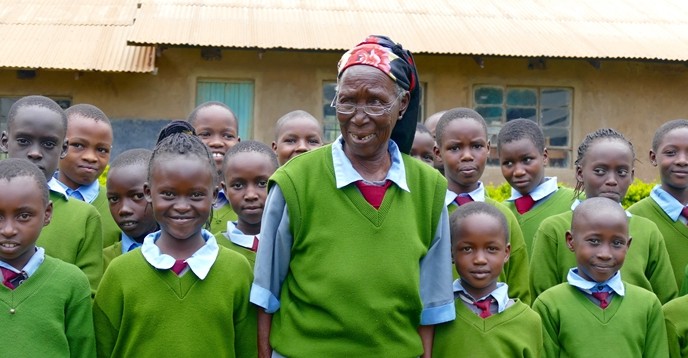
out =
column 200, row 262
column 668, row 203
column 274, row 252
column 31, row 266
column 500, row 294
column 547, row 188
column 57, row 187
column 239, row 238
column 87, row 193
column 614, row 283
column 221, row 199
column 577, row 202
column 477, row 195
column 127, row 242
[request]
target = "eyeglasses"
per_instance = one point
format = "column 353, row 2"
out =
column 369, row 109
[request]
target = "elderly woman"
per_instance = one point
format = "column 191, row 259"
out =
column 354, row 256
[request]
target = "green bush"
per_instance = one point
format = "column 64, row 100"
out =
column 102, row 179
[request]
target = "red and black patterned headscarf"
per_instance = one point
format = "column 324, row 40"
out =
column 389, row 57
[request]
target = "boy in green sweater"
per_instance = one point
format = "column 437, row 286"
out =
column 36, row 130
column 463, row 146
column 89, row 140
column 247, row 168
column 675, row 313
column 488, row 323
column 46, row 303
column 595, row 313
column 534, row 197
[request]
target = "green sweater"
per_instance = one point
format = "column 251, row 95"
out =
column 558, row 202
column 574, row 326
column 111, row 232
column 110, row 252
column 353, row 285
column 74, row 235
column 515, row 272
column 675, row 234
column 52, row 314
column 675, row 317
column 223, row 240
column 141, row 311
column 516, row 332
column 218, row 222
column 647, row 261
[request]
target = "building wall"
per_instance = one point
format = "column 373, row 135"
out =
column 633, row 97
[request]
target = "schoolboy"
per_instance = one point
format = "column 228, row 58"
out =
column 36, row 129
column 423, row 147
column 218, row 128
column 462, row 144
column 296, row 132
column 46, row 303
column 534, row 197
column 128, row 205
column 488, row 323
column 89, row 141
column 675, row 313
column 595, row 313
column 247, row 168
column 431, row 124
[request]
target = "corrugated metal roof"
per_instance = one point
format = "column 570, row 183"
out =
column 529, row 28
column 83, row 35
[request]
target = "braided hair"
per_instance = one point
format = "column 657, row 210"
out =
column 589, row 140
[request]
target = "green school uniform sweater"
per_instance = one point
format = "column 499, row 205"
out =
column 516, row 332
column 223, row 240
column 647, row 261
column 684, row 285
column 52, row 314
column 74, row 235
column 156, row 313
column 353, row 286
column 111, row 232
column 110, row 252
column 676, row 319
column 218, row 221
column 515, row 272
column 558, row 202
column 574, row 326
column 675, row 234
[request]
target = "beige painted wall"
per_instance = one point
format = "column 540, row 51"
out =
column 634, row 97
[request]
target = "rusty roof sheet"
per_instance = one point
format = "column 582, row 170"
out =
column 83, row 35
column 529, row 28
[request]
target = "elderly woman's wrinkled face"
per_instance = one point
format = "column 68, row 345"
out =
column 366, row 135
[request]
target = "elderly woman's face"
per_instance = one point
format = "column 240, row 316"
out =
column 366, row 135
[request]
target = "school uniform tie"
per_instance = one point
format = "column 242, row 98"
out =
column 373, row 194
column 684, row 212
column 460, row 200
column 484, row 306
column 12, row 279
column 179, row 266
column 524, row 203
column 602, row 297
column 254, row 248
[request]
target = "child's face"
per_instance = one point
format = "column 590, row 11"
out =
column 23, row 213
column 296, row 136
column 423, row 148
column 128, row 205
column 217, row 128
column 246, row 186
column 480, row 253
column 606, row 170
column 523, row 165
column 464, row 152
column 88, row 151
column 181, row 192
column 672, row 160
column 600, row 243
column 37, row 134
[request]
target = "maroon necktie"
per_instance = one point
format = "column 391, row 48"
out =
column 8, row 278
column 684, row 212
column 373, row 194
column 179, row 266
column 602, row 297
column 460, row 200
column 524, row 203
column 484, row 306
column 254, row 248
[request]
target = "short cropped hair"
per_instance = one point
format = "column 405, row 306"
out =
column 39, row 101
column 421, row 128
column 522, row 128
column 666, row 128
column 132, row 157
column 18, row 167
column 88, row 111
column 248, row 146
column 457, row 113
column 291, row 116
column 194, row 114
column 475, row 208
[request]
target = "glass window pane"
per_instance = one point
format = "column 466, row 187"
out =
column 489, row 95
column 515, row 113
column 521, row 97
column 330, row 123
column 556, row 137
column 558, row 117
column 492, row 114
column 555, row 97
column 558, row 158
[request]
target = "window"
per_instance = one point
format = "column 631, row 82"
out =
column 7, row 102
column 238, row 95
column 549, row 107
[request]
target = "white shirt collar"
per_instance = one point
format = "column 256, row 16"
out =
column 31, row 266
column 55, row 186
column 500, row 294
column 614, row 283
column 668, row 203
column 200, row 262
column 547, row 187
column 236, row 236
column 477, row 195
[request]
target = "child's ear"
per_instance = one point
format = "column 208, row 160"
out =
column 569, row 241
column 63, row 153
column 628, row 244
column 438, row 154
column 48, row 213
column 653, row 156
column 274, row 147
column 147, row 193
column 4, row 140
column 579, row 174
column 223, row 186
column 489, row 145
column 508, row 252
column 545, row 157
column 216, row 191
